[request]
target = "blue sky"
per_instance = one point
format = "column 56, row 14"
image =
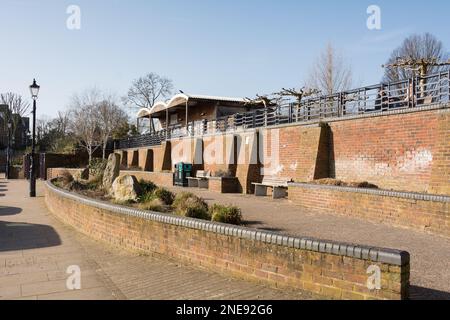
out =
column 230, row 48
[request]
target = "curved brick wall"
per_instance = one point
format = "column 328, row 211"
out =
column 334, row 270
column 412, row 210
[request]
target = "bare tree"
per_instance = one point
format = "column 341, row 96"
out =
column 330, row 74
column 110, row 116
column 17, row 108
column 84, row 120
column 147, row 90
column 416, row 48
column 61, row 122
column 43, row 127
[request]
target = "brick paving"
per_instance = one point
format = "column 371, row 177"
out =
column 36, row 249
column 430, row 254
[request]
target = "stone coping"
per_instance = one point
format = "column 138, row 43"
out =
column 377, row 192
column 375, row 254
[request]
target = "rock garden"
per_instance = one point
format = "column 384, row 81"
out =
column 106, row 184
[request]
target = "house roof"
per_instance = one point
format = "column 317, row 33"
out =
column 181, row 99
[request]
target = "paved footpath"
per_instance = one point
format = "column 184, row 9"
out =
column 36, row 250
column 430, row 254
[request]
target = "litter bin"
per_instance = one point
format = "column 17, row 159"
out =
column 182, row 172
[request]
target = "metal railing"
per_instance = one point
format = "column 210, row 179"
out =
column 406, row 94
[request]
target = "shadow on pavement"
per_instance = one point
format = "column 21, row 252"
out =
column 9, row 211
column 259, row 225
column 420, row 293
column 23, row 236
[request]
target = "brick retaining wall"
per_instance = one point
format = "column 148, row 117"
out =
column 404, row 151
column 418, row 211
column 53, row 173
column 223, row 185
column 334, row 270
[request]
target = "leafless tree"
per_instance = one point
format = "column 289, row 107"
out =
column 110, row 116
column 17, row 108
column 84, row 120
column 43, row 127
column 416, row 47
column 147, row 90
column 61, row 122
column 330, row 74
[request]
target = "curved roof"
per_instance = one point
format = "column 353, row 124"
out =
column 144, row 112
column 181, row 99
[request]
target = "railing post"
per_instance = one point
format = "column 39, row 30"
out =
column 290, row 113
column 448, row 85
column 265, row 117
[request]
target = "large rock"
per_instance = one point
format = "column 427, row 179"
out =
column 126, row 188
column 112, row 171
column 82, row 174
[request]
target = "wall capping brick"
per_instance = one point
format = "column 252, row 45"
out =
column 374, row 254
column 379, row 192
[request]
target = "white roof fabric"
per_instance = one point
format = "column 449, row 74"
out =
column 182, row 98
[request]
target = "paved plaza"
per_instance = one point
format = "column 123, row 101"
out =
column 36, row 250
column 430, row 254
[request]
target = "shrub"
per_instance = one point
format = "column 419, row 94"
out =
column 146, row 197
column 76, row 185
column 226, row 214
column 189, row 205
column 96, row 183
column 123, row 203
column 164, row 195
column 147, row 186
column 65, row 178
column 181, row 197
column 364, row 185
column 96, row 168
column 196, row 209
column 340, row 183
column 328, row 182
column 153, row 205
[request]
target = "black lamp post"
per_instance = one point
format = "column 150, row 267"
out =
column 34, row 89
column 8, row 146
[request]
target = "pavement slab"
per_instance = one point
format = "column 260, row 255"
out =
column 36, row 249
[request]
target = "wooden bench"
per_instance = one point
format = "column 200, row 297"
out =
column 278, row 184
column 200, row 180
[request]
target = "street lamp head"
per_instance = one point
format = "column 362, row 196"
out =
column 34, row 89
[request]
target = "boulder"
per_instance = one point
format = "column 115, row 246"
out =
column 126, row 188
column 82, row 174
column 112, row 171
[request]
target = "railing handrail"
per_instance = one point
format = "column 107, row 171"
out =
column 403, row 94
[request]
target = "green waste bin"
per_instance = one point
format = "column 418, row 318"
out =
column 182, row 172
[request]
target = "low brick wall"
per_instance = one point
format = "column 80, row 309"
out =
column 53, row 173
column 162, row 179
column 418, row 211
column 330, row 269
column 223, row 185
